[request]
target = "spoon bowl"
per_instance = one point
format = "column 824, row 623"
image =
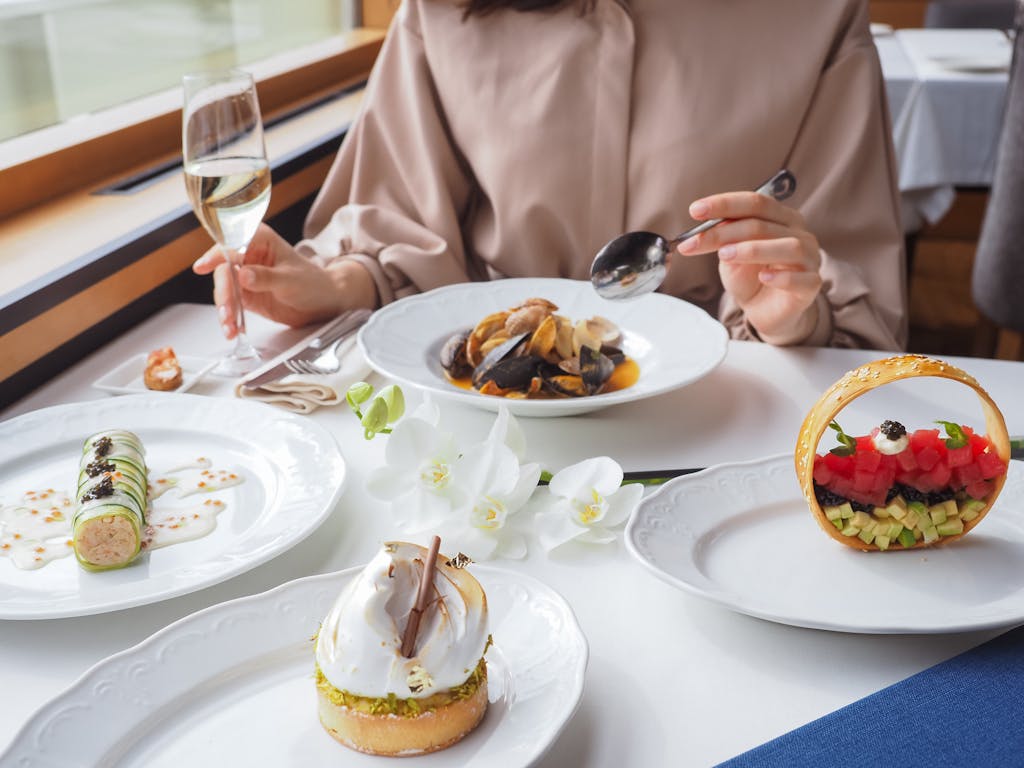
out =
column 634, row 263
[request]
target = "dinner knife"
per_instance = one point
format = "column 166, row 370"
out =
column 337, row 330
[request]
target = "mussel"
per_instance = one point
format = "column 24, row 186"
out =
column 580, row 378
column 453, row 355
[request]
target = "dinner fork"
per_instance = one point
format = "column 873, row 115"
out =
column 326, row 362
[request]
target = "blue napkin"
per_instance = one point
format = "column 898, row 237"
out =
column 967, row 711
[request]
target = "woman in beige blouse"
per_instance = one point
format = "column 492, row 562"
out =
column 496, row 142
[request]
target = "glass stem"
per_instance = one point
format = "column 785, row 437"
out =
column 234, row 259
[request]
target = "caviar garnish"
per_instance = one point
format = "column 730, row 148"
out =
column 101, row 490
column 937, row 497
column 892, row 429
column 98, row 467
column 912, row 494
column 103, row 446
column 892, row 493
column 860, row 506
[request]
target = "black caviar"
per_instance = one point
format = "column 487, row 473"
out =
column 101, row 490
column 103, row 446
column 892, row 429
column 98, row 467
column 827, row 498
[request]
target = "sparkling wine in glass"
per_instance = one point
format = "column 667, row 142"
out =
column 228, row 179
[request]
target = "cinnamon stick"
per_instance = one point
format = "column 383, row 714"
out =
column 412, row 627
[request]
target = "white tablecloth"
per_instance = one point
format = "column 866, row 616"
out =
column 946, row 90
column 673, row 680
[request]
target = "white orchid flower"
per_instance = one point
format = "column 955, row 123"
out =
column 585, row 501
column 417, row 475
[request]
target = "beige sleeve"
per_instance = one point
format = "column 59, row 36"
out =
column 397, row 192
column 847, row 192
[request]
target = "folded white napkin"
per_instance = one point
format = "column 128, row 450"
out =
column 303, row 393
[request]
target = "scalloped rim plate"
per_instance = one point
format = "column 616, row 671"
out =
column 293, row 470
column 233, row 685
column 674, row 342
column 742, row 536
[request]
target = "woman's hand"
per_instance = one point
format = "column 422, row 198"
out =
column 279, row 283
column 767, row 260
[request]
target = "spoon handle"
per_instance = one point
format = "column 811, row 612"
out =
column 780, row 186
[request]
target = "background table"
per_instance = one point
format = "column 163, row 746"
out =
column 672, row 680
column 947, row 92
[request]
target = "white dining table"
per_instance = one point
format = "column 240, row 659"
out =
column 946, row 90
column 672, row 678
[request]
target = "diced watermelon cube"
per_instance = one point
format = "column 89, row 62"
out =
column 966, row 475
column 990, row 465
column 927, row 458
column 822, row 474
column 924, row 438
column 863, row 482
column 979, row 490
column 979, row 444
column 865, row 443
column 937, row 478
column 958, row 457
column 840, row 465
column 842, row 486
column 866, row 461
column 906, row 459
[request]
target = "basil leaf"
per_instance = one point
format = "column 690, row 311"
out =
column 955, row 437
column 848, row 446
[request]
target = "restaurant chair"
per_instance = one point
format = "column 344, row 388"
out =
column 998, row 273
column 973, row 14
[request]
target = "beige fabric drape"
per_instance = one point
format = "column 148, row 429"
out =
column 517, row 144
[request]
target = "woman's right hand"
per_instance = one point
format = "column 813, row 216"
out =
column 279, row 283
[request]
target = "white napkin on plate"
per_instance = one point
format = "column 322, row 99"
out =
column 304, row 393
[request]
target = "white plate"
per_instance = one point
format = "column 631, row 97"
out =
column 232, row 685
column 977, row 64
column 674, row 342
column 293, row 474
column 742, row 535
column 127, row 379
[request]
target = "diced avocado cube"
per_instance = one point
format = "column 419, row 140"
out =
column 911, row 519
column 882, row 542
column 951, row 527
column 838, row 523
column 845, row 510
column 880, row 512
column 832, row 513
column 894, row 530
column 970, row 509
column 860, row 519
column 918, row 535
column 937, row 513
column 917, row 506
column 850, row 531
column 952, row 510
column 897, row 506
column 930, row 534
column 866, row 536
column 907, row 538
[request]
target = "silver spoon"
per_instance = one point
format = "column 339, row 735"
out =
column 634, row 263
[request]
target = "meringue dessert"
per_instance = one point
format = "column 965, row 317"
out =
column 373, row 699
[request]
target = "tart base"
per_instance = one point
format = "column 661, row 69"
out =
column 398, row 736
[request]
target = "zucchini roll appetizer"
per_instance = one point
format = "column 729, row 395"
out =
column 110, row 515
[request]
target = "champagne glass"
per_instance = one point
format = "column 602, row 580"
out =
column 227, row 177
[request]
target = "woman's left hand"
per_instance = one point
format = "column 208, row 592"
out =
column 767, row 259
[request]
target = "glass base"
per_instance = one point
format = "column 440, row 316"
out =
column 244, row 358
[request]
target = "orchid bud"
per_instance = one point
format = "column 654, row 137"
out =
column 393, row 398
column 358, row 393
column 375, row 417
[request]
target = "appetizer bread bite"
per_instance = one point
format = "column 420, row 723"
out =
column 110, row 515
column 900, row 488
column 374, row 698
column 163, row 371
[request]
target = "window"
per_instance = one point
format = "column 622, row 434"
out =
column 60, row 59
